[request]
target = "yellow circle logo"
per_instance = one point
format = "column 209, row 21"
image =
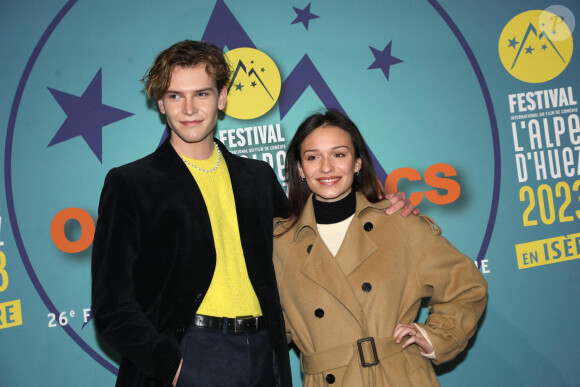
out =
column 536, row 46
column 254, row 86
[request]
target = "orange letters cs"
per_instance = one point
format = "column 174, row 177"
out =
column 432, row 179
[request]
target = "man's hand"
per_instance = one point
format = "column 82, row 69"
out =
column 399, row 200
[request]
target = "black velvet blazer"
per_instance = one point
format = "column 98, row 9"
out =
column 154, row 258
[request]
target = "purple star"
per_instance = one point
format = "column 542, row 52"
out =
column 304, row 16
column 86, row 116
column 384, row 60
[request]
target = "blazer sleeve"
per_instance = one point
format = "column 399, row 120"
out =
column 280, row 200
column 118, row 316
column 457, row 288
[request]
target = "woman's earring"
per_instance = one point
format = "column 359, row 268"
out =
column 303, row 179
column 356, row 173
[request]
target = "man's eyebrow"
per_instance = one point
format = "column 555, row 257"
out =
column 207, row 89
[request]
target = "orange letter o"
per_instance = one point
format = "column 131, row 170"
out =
column 87, row 230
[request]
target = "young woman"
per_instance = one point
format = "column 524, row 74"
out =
column 351, row 279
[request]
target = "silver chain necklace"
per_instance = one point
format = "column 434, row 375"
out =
column 206, row 170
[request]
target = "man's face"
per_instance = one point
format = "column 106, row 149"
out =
column 191, row 106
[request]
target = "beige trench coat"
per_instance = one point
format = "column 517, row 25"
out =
column 385, row 266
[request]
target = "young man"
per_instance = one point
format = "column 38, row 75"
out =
column 183, row 280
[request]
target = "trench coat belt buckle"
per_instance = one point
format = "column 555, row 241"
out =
column 235, row 324
column 342, row 355
column 359, row 344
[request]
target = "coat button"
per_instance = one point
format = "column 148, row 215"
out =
column 309, row 249
column 368, row 226
column 366, row 287
column 330, row 378
column 319, row 313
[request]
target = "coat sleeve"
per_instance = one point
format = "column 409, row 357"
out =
column 118, row 316
column 457, row 288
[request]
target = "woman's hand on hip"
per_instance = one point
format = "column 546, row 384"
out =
column 415, row 337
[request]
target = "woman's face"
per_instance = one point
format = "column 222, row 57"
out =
column 327, row 162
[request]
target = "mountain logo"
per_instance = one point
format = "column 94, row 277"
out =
column 536, row 46
column 254, row 85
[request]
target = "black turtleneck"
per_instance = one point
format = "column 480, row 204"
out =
column 334, row 212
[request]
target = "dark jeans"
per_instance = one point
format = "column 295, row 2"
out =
column 215, row 358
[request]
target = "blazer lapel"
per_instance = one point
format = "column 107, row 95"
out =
column 244, row 188
column 257, row 246
column 180, row 184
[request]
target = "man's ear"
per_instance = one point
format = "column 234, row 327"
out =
column 161, row 106
column 222, row 97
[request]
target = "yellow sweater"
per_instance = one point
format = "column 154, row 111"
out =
column 230, row 293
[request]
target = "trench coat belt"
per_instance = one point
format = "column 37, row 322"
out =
column 337, row 357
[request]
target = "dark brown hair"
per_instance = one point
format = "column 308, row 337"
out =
column 187, row 53
column 366, row 181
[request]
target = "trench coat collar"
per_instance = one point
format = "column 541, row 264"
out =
column 308, row 221
column 321, row 267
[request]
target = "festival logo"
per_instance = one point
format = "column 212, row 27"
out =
column 536, row 46
column 254, row 85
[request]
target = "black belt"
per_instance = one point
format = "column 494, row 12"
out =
column 235, row 324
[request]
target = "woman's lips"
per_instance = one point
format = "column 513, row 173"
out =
column 331, row 180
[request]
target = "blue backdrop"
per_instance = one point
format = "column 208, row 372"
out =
column 470, row 107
